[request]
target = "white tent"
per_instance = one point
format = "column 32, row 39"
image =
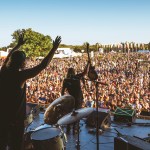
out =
column 3, row 54
column 65, row 52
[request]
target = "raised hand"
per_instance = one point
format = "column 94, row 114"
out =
column 21, row 39
column 56, row 42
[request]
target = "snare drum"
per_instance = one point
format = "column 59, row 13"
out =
column 27, row 137
column 48, row 137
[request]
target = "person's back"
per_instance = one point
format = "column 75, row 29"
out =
column 12, row 95
column 73, row 86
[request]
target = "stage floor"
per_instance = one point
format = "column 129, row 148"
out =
column 106, row 139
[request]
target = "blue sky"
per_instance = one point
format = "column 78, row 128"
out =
column 78, row 21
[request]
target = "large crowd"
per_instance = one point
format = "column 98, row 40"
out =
column 126, row 76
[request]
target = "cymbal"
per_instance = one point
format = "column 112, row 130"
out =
column 62, row 99
column 58, row 108
column 75, row 116
column 43, row 126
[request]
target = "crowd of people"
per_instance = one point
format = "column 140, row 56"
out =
column 121, row 80
column 127, row 77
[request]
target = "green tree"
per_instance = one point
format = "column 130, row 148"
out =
column 3, row 49
column 37, row 44
column 77, row 48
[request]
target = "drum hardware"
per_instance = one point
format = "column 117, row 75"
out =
column 27, row 140
column 35, row 110
column 97, row 113
column 31, row 113
column 93, row 131
column 63, row 137
column 78, row 138
column 73, row 117
column 29, row 119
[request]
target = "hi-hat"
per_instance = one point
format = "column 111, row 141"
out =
column 75, row 116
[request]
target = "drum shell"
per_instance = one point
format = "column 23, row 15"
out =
column 55, row 143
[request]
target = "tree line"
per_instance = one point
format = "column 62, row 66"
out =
column 38, row 44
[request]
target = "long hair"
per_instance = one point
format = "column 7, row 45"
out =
column 17, row 59
column 70, row 73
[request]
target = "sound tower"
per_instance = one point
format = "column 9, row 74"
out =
column 104, row 118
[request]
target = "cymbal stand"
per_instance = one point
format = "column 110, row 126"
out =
column 78, row 139
column 74, row 113
column 97, row 116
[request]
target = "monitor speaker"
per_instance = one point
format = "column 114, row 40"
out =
column 104, row 118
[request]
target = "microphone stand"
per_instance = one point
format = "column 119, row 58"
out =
column 74, row 113
column 97, row 116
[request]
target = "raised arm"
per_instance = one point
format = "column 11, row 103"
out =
column 50, row 55
column 86, row 70
column 32, row 72
column 21, row 41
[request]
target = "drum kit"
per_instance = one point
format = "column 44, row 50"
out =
column 50, row 136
